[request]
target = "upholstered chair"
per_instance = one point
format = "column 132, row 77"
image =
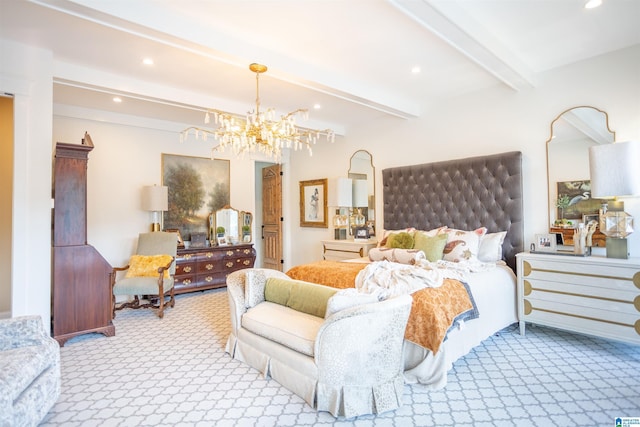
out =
column 149, row 274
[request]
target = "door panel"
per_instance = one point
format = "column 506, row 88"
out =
column 271, row 217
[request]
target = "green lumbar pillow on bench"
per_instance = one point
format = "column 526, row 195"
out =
column 301, row 296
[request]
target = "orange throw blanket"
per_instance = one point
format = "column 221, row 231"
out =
column 432, row 312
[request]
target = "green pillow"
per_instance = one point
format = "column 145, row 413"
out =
column 402, row 240
column 432, row 246
column 301, row 296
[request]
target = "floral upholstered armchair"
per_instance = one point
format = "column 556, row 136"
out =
column 29, row 371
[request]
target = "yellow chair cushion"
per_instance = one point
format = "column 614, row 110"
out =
column 147, row 265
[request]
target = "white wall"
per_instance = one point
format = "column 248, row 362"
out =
column 125, row 159
column 26, row 72
column 490, row 121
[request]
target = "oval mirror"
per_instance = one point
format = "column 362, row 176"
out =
column 362, row 172
column 572, row 133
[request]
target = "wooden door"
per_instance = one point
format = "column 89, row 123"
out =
column 272, row 217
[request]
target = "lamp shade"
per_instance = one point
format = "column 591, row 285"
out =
column 360, row 193
column 155, row 198
column 615, row 169
column 339, row 193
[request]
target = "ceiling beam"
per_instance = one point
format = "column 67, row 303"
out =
column 456, row 27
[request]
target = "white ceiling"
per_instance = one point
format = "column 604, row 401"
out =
column 353, row 57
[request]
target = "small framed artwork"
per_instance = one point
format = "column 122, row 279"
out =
column 313, row 203
column 361, row 233
column 587, row 218
column 198, row 240
column 180, row 242
column 222, row 240
column 546, row 242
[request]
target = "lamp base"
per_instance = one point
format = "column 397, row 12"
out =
column 617, row 248
column 155, row 226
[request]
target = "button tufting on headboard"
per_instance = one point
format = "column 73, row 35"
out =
column 464, row 193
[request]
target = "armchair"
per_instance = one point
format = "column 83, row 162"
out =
column 149, row 274
column 29, row 371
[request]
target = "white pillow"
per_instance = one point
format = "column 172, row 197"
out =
column 347, row 298
column 401, row 256
column 491, row 247
column 463, row 246
column 254, row 281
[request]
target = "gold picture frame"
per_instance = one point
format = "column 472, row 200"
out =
column 313, row 203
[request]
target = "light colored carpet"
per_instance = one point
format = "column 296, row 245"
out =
column 174, row 371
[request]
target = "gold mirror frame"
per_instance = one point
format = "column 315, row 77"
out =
column 361, row 167
column 576, row 128
column 229, row 218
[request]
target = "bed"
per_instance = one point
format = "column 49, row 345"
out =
column 464, row 194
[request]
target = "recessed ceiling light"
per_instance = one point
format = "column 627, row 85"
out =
column 415, row 70
column 147, row 61
column 590, row 4
column 117, row 99
column 317, row 106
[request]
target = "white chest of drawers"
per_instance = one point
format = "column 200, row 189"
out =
column 336, row 250
column 592, row 295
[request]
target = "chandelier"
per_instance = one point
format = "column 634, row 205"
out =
column 259, row 131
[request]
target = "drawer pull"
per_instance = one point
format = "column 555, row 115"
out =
column 527, row 287
column 209, row 267
column 229, row 264
column 247, row 251
column 636, row 279
column 209, row 254
column 527, row 307
column 527, row 268
column 636, row 302
column 187, row 269
column 208, row 279
column 229, row 253
column 187, row 256
column 186, row 281
column 246, row 262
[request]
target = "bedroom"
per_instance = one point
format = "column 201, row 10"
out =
column 488, row 120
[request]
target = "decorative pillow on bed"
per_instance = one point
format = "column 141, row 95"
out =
column 347, row 298
column 401, row 256
column 386, row 233
column 431, row 245
column 491, row 247
column 463, row 245
column 402, row 240
column 254, row 282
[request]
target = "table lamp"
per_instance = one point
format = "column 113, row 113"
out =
column 615, row 172
column 340, row 190
column 155, row 198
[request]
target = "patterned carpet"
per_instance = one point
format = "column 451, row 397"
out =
column 175, row 372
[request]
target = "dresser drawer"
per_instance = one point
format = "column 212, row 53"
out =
column 594, row 295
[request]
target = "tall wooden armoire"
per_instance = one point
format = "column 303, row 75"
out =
column 81, row 287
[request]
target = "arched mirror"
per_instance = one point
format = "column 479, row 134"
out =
column 225, row 227
column 361, row 171
column 572, row 133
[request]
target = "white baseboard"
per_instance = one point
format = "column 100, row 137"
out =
column 5, row 314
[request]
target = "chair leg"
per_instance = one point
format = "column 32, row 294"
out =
column 161, row 305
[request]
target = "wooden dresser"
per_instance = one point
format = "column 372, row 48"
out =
column 81, row 288
column 592, row 295
column 198, row 269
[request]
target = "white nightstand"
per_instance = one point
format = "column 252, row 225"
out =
column 335, row 250
column 592, row 295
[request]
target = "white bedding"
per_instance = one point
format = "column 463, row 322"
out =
column 494, row 292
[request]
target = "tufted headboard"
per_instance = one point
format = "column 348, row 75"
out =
column 464, row 194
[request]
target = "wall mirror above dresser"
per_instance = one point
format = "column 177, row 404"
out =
column 572, row 133
column 362, row 172
column 229, row 219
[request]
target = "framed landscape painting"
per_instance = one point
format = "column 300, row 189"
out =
column 197, row 186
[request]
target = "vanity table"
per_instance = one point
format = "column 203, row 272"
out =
column 336, row 250
column 592, row 295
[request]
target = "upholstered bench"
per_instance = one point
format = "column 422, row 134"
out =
column 29, row 371
column 340, row 353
